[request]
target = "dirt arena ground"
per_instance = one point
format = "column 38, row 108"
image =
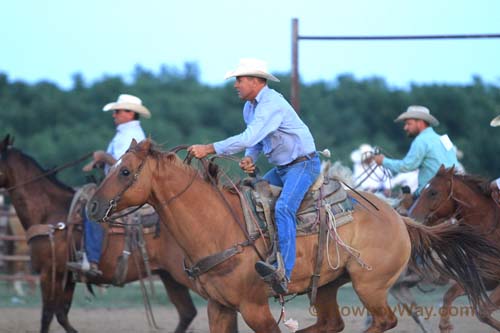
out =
column 121, row 310
column 134, row 320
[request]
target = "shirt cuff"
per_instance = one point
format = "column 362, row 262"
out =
column 498, row 182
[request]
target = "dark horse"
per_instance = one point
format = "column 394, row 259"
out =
column 46, row 201
column 205, row 220
column 450, row 197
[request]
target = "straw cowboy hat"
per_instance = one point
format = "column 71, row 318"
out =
column 251, row 67
column 418, row 112
column 495, row 121
column 128, row 102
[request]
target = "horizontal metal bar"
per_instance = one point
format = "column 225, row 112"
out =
column 16, row 277
column 14, row 258
column 402, row 37
column 12, row 238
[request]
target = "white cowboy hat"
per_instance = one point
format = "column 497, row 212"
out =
column 357, row 154
column 128, row 102
column 495, row 121
column 251, row 67
column 418, row 112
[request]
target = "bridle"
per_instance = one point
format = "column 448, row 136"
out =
column 451, row 196
column 442, row 202
column 114, row 201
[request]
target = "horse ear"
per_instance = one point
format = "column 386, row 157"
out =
column 452, row 169
column 7, row 141
column 442, row 169
column 133, row 144
column 146, row 144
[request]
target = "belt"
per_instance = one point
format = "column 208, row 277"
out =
column 300, row 159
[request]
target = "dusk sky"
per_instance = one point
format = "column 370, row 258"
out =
column 54, row 39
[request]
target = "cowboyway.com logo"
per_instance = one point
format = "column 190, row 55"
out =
column 425, row 312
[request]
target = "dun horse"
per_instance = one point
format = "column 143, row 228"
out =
column 46, row 201
column 466, row 199
column 205, row 220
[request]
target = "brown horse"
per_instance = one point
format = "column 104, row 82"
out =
column 205, row 220
column 47, row 201
column 466, row 199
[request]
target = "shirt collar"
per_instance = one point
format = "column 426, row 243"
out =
column 127, row 125
column 259, row 95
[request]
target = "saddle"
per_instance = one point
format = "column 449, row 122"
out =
column 258, row 200
column 133, row 227
column 326, row 205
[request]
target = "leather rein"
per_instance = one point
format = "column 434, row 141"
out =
column 206, row 263
column 50, row 172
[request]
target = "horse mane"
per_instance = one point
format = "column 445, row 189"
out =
column 476, row 183
column 51, row 176
column 209, row 172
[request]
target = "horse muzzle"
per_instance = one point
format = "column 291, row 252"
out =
column 97, row 211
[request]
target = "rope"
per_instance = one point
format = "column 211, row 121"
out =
column 332, row 226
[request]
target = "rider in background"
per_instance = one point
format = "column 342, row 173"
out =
column 275, row 129
column 126, row 112
column 367, row 177
column 495, row 184
column 428, row 151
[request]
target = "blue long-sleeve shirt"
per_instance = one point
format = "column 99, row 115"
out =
column 273, row 127
column 427, row 153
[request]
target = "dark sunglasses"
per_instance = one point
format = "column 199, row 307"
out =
column 118, row 111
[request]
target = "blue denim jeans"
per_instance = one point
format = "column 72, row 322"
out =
column 93, row 237
column 295, row 180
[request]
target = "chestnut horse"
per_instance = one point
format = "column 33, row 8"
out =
column 466, row 199
column 206, row 220
column 47, row 201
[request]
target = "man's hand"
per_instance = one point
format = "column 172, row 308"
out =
column 200, row 151
column 246, row 164
column 100, row 158
column 378, row 159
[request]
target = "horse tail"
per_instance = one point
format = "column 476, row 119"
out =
column 456, row 251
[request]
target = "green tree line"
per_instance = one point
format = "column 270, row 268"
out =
column 56, row 125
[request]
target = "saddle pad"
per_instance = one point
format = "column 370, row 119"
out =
column 256, row 206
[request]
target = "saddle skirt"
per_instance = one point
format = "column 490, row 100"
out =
column 258, row 200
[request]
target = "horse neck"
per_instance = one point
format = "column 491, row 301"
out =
column 40, row 201
column 475, row 208
column 198, row 218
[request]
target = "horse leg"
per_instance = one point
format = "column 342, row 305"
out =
column 254, row 310
column 64, row 301
column 401, row 292
column 451, row 294
column 373, row 295
column 181, row 299
column 328, row 319
column 48, row 303
column 484, row 315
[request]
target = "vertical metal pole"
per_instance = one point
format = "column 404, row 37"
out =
column 295, row 66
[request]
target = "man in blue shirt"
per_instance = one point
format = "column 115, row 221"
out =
column 427, row 151
column 275, row 129
column 126, row 111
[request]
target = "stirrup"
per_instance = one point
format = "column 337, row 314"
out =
column 273, row 276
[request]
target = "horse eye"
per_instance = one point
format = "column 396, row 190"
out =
column 125, row 172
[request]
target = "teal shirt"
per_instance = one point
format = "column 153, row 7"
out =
column 426, row 154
